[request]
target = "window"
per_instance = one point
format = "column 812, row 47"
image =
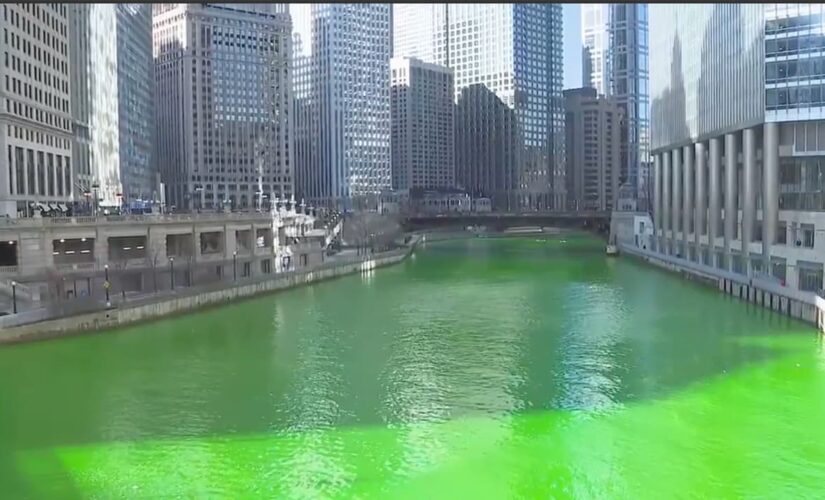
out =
column 810, row 276
column 807, row 235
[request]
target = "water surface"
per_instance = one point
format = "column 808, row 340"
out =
column 487, row 368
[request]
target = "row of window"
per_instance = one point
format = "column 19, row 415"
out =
column 795, row 97
column 38, row 173
column 800, row 44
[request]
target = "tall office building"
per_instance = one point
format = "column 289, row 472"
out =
column 224, row 99
column 35, row 108
column 595, row 32
column 94, row 88
column 593, row 125
column 342, row 108
column 515, row 51
column 739, row 138
column 136, row 102
column 615, row 39
column 423, row 124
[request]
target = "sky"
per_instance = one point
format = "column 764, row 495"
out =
column 572, row 46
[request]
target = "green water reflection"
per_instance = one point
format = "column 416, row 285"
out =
column 492, row 368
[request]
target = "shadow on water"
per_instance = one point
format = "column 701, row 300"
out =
column 491, row 327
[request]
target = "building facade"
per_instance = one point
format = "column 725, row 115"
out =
column 342, row 108
column 136, row 103
column 94, row 71
column 223, row 104
column 593, row 125
column 35, row 108
column 616, row 55
column 514, row 51
column 423, row 125
column 739, row 138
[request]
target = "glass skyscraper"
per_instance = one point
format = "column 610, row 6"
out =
column 615, row 39
column 739, row 139
column 136, row 101
column 515, row 51
column 93, row 55
column 342, row 101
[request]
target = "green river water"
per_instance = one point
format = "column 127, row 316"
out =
column 486, row 368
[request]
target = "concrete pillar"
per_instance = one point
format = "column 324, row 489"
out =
column 748, row 188
column 715, row 164
column 700, row 216
column 657, row 200
column 687, row 197
column 676, row 195
column 731, row 181
column 666, row 188
column 770, row 189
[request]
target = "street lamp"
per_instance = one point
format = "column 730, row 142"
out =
column 14, row 296
column 172, row 272
column 106, row 284
column 234, row 268
column 95, row 187
column 199, row 190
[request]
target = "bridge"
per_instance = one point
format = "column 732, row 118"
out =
column 591, row 220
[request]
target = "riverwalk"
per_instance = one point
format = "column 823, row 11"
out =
column 184, row 300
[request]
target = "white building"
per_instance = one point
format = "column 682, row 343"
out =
column 224, row 101
column 739, row 138
column 342, row 106
column 35, row 108
column 423, row 121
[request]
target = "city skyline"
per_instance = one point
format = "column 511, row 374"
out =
column 120, row 154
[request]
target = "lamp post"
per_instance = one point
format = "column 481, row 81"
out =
column 106, row 283
column 14, row 296
column 172, row 272
column 234, row 268
column 199, row 190
column 95, row 187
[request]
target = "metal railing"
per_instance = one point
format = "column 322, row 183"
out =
column 178, row 280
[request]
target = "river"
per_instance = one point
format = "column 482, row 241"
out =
column 485, row 368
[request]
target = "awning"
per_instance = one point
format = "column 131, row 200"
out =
column 63, row 208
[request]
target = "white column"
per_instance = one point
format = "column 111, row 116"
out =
column 687, row 197
column 731, row 208
column 715, row 163
column 770, row 189
column 676, row 196
column 665, row 201
column 748, row 189
column 657, row 200
column 700, row 217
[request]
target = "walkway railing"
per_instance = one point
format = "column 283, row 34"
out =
column 120, row 298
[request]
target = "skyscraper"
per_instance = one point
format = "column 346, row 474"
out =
column 136, row 102
column 739, row 138
column 224, row 99
column 593, row 126
column 615, row 38
column 423, row 125
column 94, row 88
column 515, row 51
column 595, row 19
column 342, row 108
column 35, row 115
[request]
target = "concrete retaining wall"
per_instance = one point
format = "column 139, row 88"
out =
column 114, row 318
column 790, row 302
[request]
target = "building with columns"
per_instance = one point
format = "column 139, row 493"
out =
column 738, row 138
